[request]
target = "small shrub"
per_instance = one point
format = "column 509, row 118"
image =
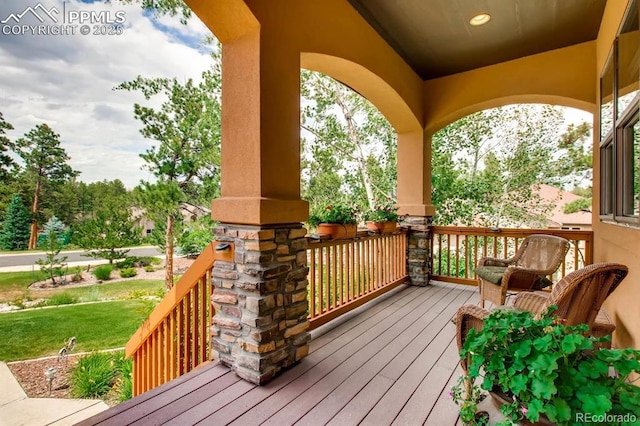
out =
column 149, row 268
column 93, row 376
column 77, row 277
column 128, row 262
column 148, row 260
column 62, row 299
column 103, row 272
column 128, row 272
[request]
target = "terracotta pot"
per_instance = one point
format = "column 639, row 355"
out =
column 382, row 227
column 338, row 231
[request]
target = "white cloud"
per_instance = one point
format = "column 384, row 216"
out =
column 67, row 82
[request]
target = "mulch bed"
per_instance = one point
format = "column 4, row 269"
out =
column 30, row 375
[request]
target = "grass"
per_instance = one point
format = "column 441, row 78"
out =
column 15, row 285
column 42, row 332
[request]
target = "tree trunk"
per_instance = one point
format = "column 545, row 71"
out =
column 361, row 159
column 168, row 243
column 33, row 235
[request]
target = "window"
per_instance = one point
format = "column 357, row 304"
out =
column 620, row 125
column 606, row 99
column 630, row 173
column 606, row 178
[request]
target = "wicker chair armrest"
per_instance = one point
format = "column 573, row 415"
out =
column 493, row 261
column 469, row 317
column 532, row 302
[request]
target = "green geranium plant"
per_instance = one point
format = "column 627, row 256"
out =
column 387, row 213
column 547, row 368
column 336, row 213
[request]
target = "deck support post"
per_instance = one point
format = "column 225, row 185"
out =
column 418, row 249
column 260, row 300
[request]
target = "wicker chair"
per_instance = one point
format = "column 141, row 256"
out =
column 578, row 296
column 538, row 256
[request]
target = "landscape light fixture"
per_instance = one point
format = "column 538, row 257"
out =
column 480, row 19
column 49, row 374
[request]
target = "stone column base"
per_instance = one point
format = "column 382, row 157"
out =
column 260, row 324
column 418, row 249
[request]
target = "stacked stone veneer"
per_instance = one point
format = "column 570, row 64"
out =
column 418, row 249
column 260, row 325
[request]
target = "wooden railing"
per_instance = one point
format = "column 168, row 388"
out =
column 344, row 274
column 175, row 338
column 456, row 250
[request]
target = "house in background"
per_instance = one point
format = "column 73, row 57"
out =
column 557, row 218
column 189, row 212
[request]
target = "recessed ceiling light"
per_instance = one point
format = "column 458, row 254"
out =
column 480, row 19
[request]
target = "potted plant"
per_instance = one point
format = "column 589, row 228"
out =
column 382, row 220
column 540, row 370
column 336, row 220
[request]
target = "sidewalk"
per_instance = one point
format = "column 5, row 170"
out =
column 17, row 409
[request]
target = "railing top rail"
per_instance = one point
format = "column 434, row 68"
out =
column 203, row 263
column 511, row 232
column 313, row 243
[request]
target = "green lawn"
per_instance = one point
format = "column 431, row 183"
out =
column 15, row 285
column 118, row 290
column 42, row 332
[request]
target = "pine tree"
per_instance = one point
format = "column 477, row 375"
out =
column 46, row 161
column 6, row 162
column 15, row 230
column 186, row 159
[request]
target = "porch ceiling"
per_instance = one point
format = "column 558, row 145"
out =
column 436, row 39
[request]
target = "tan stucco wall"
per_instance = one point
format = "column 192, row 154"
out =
column 616, row 243
column 560, row 77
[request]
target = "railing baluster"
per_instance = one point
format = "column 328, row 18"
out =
column 356, row 271
column 349, row 261
column 312, row 282
column 501, row 244
column 335, row 275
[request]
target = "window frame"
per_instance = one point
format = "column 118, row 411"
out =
column 619, row 203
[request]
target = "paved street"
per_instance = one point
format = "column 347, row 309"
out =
column 26, row 261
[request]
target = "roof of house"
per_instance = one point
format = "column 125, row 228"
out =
column 560, row 198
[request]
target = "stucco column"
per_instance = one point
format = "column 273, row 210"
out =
column 414, row 174
column 260, row 133
column 414, row 201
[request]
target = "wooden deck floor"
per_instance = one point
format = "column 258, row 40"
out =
column 393, row 363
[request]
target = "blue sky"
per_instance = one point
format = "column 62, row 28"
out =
column 67, row 80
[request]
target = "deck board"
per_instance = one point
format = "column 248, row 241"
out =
column 411, row 372
column 310, row 388
column 393, row 363
column 350, row 386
